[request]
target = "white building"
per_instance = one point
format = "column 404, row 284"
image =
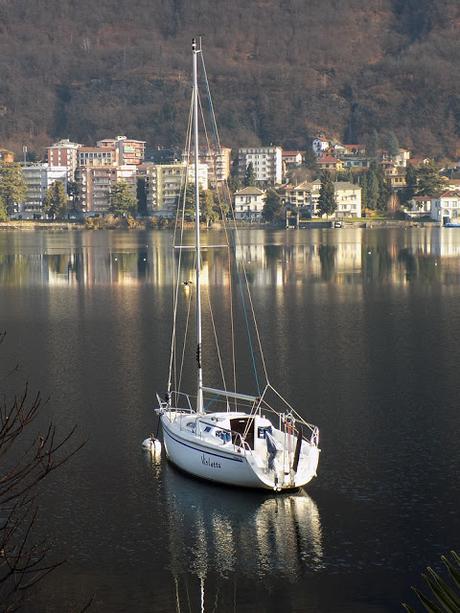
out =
column 249, row 203
column 291, row 159
column 38, row 178
column 267, row 163
column 419, row 206
column 402, row 157
column 446, row 207
column 320, row 146
column 348, row 198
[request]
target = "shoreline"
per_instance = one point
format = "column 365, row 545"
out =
column 148, row 224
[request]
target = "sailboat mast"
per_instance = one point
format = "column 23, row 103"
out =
column 199, row 401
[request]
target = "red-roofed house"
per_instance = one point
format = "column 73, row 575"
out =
column 328, row 162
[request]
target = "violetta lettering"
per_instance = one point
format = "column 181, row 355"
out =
column 208, row 462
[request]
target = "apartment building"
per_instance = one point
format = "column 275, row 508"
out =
column 129, row 151
column 96, row 182
column 64, row 153
column 164, row 184
column 296, row 195
column 267, row 163
column 38, row 177
column 218, row 163
column 347, row 196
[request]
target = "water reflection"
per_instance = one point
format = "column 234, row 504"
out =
column 217, row 533
column 348, row 256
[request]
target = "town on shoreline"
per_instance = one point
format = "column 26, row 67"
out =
column 112, row 185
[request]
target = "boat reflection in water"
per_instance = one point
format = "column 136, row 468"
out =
column 217, row 534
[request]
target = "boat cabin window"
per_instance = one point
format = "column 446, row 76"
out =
column 225, row 436
column 207, row 429
column 262, row 431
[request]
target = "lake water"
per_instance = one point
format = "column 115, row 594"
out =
column 361, row 329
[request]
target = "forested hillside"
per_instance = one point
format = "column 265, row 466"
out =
column 280, row 70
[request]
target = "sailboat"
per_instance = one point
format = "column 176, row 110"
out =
column 257, row 440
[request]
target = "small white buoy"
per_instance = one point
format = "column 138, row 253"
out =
column 152, row 444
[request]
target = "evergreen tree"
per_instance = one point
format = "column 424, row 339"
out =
column 141, row 195
column 372, row 189
column 122, row 200
column 411, row 184
column 234, row 184
column 189, row 204
column 327, row 203
column 373, row 144
column 310, row 159
column 363, row 183
column 73, row 192
column 392, row 144
column 55, row 203
column 3, row 211
column 249, row 176
column 429, row 182
column 384, row 191
column 273, row 210
column 12, row 186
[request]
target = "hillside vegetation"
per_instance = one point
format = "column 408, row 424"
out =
column 280, row 70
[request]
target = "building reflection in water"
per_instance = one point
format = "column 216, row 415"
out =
column 340, row 257
column 218, row 533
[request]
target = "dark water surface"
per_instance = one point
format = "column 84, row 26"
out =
column 361, row 329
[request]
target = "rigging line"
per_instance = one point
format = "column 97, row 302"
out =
column 185, row 341
column 176, row 381
column 223, row 213
column 237, row 242
column 254, row 366
column 212, row 152
column 213, row 161
column 219, row 355
column 294, row 412
column 213, row 117
column 211, row 105
column 173, row 349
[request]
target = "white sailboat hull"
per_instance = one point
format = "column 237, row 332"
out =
column 230, row 464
